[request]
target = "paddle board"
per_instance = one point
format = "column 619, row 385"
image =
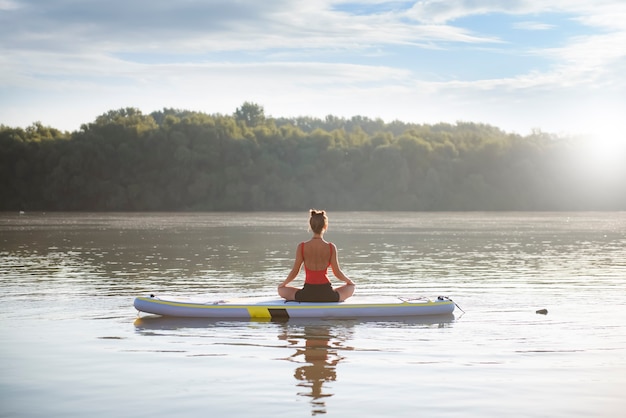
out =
column 272, row 308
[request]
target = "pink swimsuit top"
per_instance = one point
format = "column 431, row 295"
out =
column 317, row 276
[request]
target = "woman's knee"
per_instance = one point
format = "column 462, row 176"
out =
column 345, row 291
column 288, row 293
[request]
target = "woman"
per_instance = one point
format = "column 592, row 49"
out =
column 316, row 255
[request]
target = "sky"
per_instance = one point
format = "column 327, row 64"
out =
column 520, row 65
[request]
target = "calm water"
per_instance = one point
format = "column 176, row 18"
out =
column 72, row 345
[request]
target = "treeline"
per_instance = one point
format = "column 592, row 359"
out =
column 175, row 160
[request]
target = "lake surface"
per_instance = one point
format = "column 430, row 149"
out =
column 72, row 344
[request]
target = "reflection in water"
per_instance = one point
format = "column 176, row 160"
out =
column 320, row 347
column 317, row 358
column 171, row 323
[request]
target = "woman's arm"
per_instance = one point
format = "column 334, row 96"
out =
column 295, row 270
column 334, row 263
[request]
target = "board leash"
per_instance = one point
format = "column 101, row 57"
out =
column 447, row 298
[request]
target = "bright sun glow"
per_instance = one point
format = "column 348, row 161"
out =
column 599, row 164
column 603, row 150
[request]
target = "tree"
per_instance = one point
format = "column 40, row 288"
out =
column 250, row 113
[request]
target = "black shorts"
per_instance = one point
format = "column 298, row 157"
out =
column 317, row 293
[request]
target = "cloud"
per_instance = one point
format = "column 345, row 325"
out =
column 443, row 11
column 606, row 15
column 206, row 26
column 597, row 60
column 8, row 5
column 124, row 25
column 532, row 25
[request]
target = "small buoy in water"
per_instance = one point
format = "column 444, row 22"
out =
column 542, row 311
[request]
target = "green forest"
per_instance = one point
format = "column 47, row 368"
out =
column 177, row 160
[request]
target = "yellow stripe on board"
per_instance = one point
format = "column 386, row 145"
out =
column 259, row 312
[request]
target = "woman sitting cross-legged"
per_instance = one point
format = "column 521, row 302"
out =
column 317, row 255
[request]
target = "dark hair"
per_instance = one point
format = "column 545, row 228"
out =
column 318, row 220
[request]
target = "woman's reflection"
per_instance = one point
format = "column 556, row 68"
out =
column 318, row 358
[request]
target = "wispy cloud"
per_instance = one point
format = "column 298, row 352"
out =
column 531, row 25
column 208, row 26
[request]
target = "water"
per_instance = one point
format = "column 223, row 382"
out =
column 72, row 345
